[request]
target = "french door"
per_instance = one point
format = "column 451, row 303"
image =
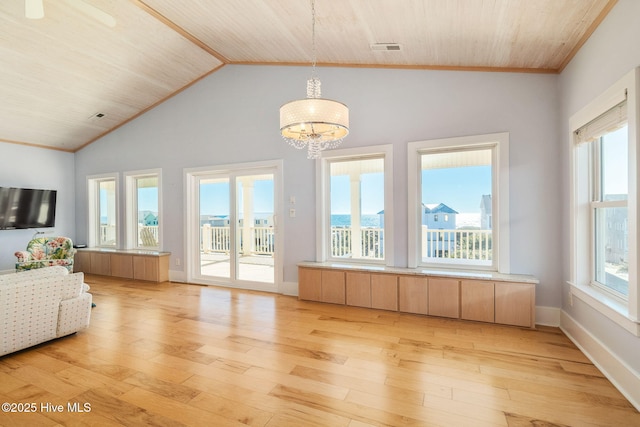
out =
column 233, row 230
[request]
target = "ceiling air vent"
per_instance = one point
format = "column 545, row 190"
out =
column 385, row 46
column 97, row 116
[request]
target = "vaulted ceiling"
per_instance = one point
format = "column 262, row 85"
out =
column 89, row 66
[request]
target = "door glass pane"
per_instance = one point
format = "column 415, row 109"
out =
column 357, row 209
column 147, row 211
column 215, row 236
column 457, row 207
column 612, row 249
column 107, row 212
column 255, row 228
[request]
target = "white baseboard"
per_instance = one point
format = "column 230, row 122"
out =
column 7, row 271
column 623, row 377
column 177, row 276
column 289, row 288
column 548, row 316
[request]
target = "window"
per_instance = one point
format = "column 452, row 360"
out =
column 103, row 210
column 459, row 184
column 609, row 211
column 143, row 192
column 604, row 204
column 356, row 205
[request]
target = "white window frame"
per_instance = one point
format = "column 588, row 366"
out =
column 323, row 205
column 93, row 209
column 624, row 313
column 131, row 206
column 500, row 197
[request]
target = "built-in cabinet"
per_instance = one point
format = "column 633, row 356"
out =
column 130, row 264
column 482, row 300
column 413, row 294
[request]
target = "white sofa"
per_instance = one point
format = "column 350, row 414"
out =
column 41, row 305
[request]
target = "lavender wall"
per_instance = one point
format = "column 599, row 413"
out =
column 30, row 167
column 232, row 117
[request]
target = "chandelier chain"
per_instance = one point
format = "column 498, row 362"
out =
column 313, row 39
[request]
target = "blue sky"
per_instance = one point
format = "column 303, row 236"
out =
column 148, row 199
column 214, row 198
column 459, row 188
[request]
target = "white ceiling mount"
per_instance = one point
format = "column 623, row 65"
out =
column 33, row 9
column 385, row 46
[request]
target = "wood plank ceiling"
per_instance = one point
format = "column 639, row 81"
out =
column 57, row 73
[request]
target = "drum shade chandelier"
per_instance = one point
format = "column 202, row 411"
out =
column 314, row 122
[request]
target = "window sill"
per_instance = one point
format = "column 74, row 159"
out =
column 607, row 306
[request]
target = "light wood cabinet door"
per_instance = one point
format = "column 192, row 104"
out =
column 384, row 291
column 146, row 268
column 444, row 297
column 413, row 294
column 515, row 304
column 333, row 286
column 309, row 284
column 122, row 266
column 477, row 300
column 101, row 263
column 82, row 262
column 358, row 289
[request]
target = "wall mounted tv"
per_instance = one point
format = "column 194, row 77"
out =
column 27, row 208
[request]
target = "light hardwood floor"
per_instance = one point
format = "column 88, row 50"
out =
column 172, row 354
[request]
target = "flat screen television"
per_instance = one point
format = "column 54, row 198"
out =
column 27, row 208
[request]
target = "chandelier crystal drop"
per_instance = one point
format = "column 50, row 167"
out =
column 314, row 122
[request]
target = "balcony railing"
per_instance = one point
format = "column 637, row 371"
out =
column 371, row 243
column 218, row 239
column 454, row 244
column 457, row 244
column 108, row 234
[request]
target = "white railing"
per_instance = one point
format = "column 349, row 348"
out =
column 263, row 240
column 371, row 243
column 107, row 234
column 215, row 239
column 340, row 241
column 457, row 244
column 218, row 239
